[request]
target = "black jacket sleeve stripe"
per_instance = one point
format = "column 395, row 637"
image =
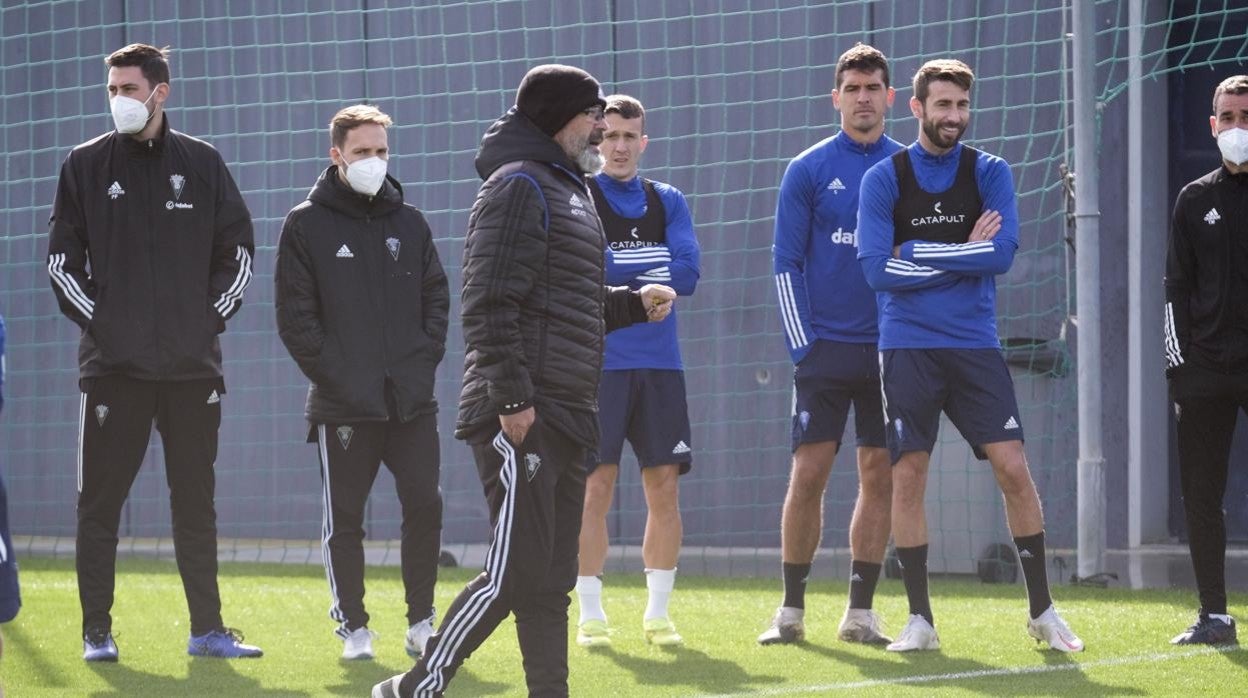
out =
column 230, row 301
column 68, row 290
column 67, row 249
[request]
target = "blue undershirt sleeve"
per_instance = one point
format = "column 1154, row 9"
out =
column 788, row 250
column 876, row 199
column 983, row 257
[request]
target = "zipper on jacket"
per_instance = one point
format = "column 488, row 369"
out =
column 387, row 381
column 162, row 366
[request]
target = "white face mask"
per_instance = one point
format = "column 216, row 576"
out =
column 367, row 175
column 129, row 114
column 1233, row 142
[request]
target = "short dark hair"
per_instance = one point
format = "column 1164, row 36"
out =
column 946, row 69
column 627, row 107
column 152, row 61
column 863, row 58
column 353, row 117
column 1234, row 85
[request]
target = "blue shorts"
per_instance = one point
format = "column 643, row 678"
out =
column 648, row 407
column 972, row 386
column 831, row 377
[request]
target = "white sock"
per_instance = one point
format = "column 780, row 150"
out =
column 589, row 591
column 660, row 583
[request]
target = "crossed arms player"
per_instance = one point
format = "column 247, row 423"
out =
column 937, row 223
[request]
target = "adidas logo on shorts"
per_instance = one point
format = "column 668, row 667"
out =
column 1011, row 423
column 681, row 447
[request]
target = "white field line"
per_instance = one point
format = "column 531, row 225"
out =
column 979, row 674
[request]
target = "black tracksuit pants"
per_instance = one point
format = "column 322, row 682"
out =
column 536, row 493
column 1206, row 425
column 115, row 423
column 351, row 455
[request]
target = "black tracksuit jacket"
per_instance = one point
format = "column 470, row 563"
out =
column 1206, row 322
column 362, row 302
column 149, row 252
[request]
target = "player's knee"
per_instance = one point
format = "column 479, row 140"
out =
column 876, row 484
column 598, row 493
column 808, row 478
column 907, row 487
column 1015, row 478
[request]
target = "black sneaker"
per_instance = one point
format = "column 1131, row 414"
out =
column 98, row 645
column 1208, row 630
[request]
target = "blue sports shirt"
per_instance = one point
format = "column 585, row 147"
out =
column 823, row 294
column 676, row 264
column 936, row 296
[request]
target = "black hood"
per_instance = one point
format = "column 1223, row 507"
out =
column 331, row 191
column 514, row 137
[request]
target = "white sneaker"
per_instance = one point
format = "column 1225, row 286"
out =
column 1050, row 628
column 359, row 644
column 417, row 635
column 786, row 627
column 862, row 625
column 917, row 635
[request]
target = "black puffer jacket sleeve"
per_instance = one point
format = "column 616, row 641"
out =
column 434, row 291
column 298, row 307
column 504, row 257
column 622, row 307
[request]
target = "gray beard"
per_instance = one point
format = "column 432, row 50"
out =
column 590, row 161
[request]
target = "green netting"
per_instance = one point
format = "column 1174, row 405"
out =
column 733, row 90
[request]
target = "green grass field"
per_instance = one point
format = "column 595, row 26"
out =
column 282, row 608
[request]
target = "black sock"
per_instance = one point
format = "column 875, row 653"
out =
column 795, row 575
column 1031, row 557
column 914, row 575
column 862, row 579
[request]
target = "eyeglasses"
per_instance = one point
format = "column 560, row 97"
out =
column 594, row 113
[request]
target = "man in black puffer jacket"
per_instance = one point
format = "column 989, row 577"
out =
column 362, row 306
column 534, row 314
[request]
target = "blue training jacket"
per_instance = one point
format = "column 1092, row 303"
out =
column 676, row 264
column 823, row 294
column 936, row 296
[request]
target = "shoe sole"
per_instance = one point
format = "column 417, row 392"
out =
column 930, row 648
column 1230, row 639
column 1060, row 645
column 100, row 659
column 224, row 656
column 782, row 636
column 665, row 641
column 863, row 637
column 593, row 641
